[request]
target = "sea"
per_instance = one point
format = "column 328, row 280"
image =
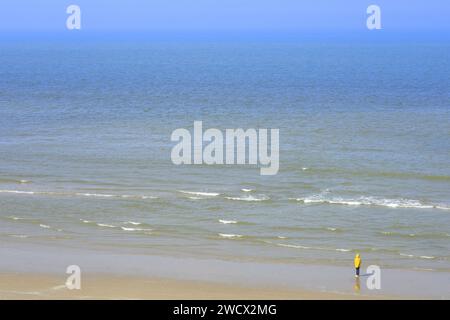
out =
column 364, row 138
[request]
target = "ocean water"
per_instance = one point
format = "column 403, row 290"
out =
column 364, row 150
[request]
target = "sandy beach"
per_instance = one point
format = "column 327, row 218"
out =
column 37, row 286
column 38, row 272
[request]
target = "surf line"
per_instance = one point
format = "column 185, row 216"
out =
column 235, row 146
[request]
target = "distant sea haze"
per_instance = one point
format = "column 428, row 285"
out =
column 85, row 150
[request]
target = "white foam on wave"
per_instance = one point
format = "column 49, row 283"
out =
column 196, row 198
column 137, row 196
column 246, row 190
column 85, row 221
column 331, row 229
column 248, row 198
column 133, row 223
column 95, row 195
column 295, row 246
column 204, row 194
column 227, row 221
column 126, row 196
column 369, row 201
column 17, row 191
column 15, row 218
column 44, row 226
column 79, row 194
column 407, row 255
column 420, row 257
column 135, row 229
column 22, row 236
column 226, row 235
column 292, row 246
column 105, row 225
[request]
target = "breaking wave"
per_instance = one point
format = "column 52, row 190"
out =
column 79, row 194
column 249, row 198
column 371, row 201
column 204, row 194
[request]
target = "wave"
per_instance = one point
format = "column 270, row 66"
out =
column 371, row 201
column 196, row 198
column 105, row 225
column 292, row 246
column 79, row 194
column 46, row 226
column 246, row 190
column 420, row 257
column 17, row 181
column 102, row 195
column 437, row 235
column 227, row 221
column 95, row 195
column 248, row 198
column 133, row 223
column 135, row 229
column 15, row 218
column 17, row 191
column 21, row 236
column 225, row 235
column 295, row 246
column 205, row 194
column 407, row 255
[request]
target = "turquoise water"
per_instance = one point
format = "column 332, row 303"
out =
column 364, row 150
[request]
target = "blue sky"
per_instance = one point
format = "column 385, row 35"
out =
column 224, row 15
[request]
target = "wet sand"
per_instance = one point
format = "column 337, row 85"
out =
column 39, row 272
column 38, row 286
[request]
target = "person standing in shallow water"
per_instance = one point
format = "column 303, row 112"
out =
column 357, row 263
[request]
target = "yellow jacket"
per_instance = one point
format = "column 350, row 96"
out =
column 357, row 261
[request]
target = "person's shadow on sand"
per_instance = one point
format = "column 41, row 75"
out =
column 367, row 274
